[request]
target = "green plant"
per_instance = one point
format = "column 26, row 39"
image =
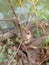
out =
column 10, row 41
column 45, row 41
column 18, row 40
column 10, row 51
column 2, row 54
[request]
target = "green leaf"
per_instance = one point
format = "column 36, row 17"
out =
column 45, row 41
column 14, row 62
column 9, row 51
column 2, row 57
column 36, row 33
column 19, row 3
column 9, row 41
column 18, row 40
column 36, row 1
column 31, row 8
column 47, row 63
column 44, row 17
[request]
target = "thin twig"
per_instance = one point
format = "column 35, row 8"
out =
column 10, row 3
column 6, row 19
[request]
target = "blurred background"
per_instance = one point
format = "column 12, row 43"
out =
column 24, row 10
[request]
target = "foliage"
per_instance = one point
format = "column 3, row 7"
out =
column 47, row 63
column 9, row 51
column 45, row 41
column 27, row 10
column 18, row 40
column 10, row 42
column 36, row 33
column 2, row 55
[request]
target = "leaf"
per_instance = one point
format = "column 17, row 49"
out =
column 36, row 33
column 9, row 51
column 19, row 3
column 36, row 1
column 2, row 54
column 45, row 41
column 31, row 8
column 18, row 40
column 31, row 1
column 14, row 62
column 47, row 63
column 9, row 41
column 44, row 17
column 1, row 57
